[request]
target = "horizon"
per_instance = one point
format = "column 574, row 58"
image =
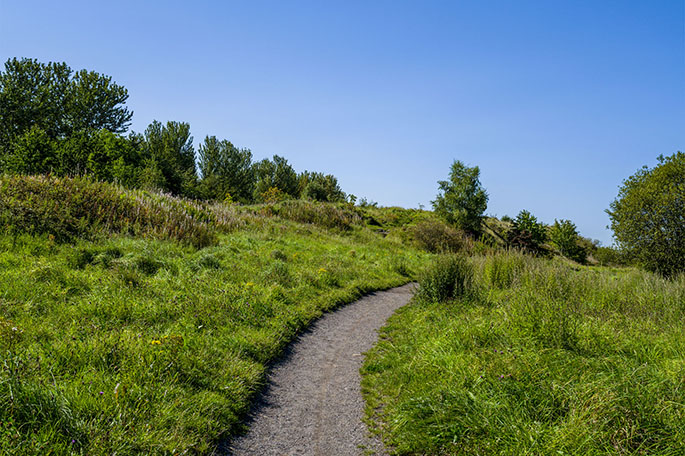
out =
column 385, row 96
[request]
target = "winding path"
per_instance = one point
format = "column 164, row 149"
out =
column 312, row 404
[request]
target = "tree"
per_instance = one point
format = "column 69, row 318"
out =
column 319, row 187
column 564, row 237
column 277, row 174
column 169, row 158
column 462, row 200
column 226, row 170
column 54, row 99
column 527, row 233
column 648, row 216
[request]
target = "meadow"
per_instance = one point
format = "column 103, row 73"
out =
column 508, row 354
column 138, row 323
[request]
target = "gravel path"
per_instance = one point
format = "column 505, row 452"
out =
column 312, row 404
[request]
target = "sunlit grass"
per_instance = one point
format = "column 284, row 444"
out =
column 540, row 357
column 143, row 346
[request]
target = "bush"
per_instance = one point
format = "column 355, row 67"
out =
column 438, row 237
column 527, row 233
column 647, row 216
column 448, row 278
column 564, row 237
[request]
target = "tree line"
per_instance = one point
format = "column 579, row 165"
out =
column 647, row 218
column 58, row 121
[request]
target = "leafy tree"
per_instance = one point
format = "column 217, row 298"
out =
column 276, row 173
column 169, row 158
column 527, row 233
column 648, row 216
column 226, row 170
column 462, row 199
column 564, row 237
column 57, row 101
column 102, row 154
column 320, row 187
column 31, row 152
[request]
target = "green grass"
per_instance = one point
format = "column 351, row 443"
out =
column 143, row 343
column 539, row 357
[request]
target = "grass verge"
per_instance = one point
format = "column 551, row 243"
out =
column 534, row 357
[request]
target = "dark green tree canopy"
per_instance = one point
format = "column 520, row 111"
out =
column 320, row 187
column 648, row 215
column 276, row 173
column 226, row 170
column 54, row 99
column 462, row 199
column 169, row 158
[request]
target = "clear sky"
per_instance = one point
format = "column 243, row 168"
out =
column 556, row 101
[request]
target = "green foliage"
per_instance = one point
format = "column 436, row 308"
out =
column 226, row 170
column 610, row 256
column 169, row 158
column 52, row 98
column 276, row 173
column 554, row 359
column 462, row 200
column 320, row 187
column 501, row 270
column 325, row 215
column 437, row 237
column 527, row 233
column 648, row 216
column 564, row 237
column 449, row 277
column 54, row 121
column 70, row 208
column 30, row 152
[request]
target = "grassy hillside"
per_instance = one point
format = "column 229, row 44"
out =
column 509, row 354
column 135, row 323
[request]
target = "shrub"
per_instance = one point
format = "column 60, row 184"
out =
column 527, row 233
column 449, row 277
column 647, row 216
column 564, row 237
column 437, row 237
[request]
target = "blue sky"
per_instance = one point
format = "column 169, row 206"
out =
column 556, row 101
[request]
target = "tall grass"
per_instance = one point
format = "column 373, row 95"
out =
column 543, row 357
column 69, row 208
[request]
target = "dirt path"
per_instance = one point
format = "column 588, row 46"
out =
column 312, row 404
